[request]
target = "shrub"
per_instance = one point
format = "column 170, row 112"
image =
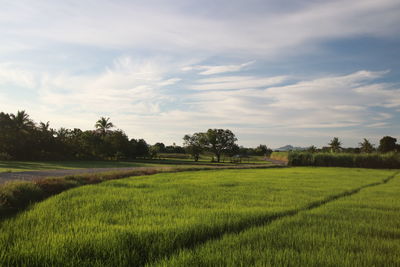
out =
column 376, row 161
column 5, row 156
column 283, row 156
column 19, row 194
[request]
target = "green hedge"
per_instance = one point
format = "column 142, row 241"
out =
column 375, row 161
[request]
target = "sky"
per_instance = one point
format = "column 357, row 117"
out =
column 274, row 72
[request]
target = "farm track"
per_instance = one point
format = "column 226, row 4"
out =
column 270, row 219
column 35, row 175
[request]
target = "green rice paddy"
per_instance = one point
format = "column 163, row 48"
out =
column 291, row 216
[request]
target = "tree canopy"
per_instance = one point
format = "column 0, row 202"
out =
column 22, row 139
column 387, row 144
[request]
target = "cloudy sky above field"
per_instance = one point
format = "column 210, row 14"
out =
column 274, row 72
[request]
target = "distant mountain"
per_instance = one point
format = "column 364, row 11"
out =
column 290, row 148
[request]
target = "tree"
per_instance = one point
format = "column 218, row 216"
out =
column 220, row 140
column 261, row 150
column 104, row 125
column 21, row 121
column 335, row 145
column 366, row 146
column 312, row 149
column 160, row 147
column 387, row 144
column 195, row 144
column 153, row 151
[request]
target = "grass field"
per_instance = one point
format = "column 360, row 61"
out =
column 181, row 217
column 13, row 166
column 6, row 166
column 359, row 230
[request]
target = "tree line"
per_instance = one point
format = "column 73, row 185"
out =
column 386, row 144
column 22, row 139
column 219, row 142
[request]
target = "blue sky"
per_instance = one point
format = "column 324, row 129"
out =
column 274, row 72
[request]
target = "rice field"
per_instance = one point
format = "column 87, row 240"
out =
column 359, row 230
column 204, row 218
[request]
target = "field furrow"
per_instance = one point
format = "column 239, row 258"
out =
column 359, row 230
column 137, row 221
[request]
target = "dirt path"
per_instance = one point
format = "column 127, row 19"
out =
column 31, row 175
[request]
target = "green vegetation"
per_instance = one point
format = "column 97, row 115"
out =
column 372, row 160
column 6, row 166
column 145, row 219
column 359, row 230
column 283, row 156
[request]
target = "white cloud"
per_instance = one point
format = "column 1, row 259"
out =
column 132, row 94
column 16, row 76
column 327, row 102
column 236, row 82
column 164, row 27
column 378, row 125
column 210, row 70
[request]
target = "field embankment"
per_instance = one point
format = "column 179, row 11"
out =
column 358, row 230
column 138, row 221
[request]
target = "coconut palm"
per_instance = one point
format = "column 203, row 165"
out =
column 44, row 127
column 366, row 146
column 103, row 125
column 335, row 144
column 21, row 121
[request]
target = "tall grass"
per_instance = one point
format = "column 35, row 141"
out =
column 359, row 230
column 283, row 156
column 17, row 195
column 135, row 221
column 375, row 161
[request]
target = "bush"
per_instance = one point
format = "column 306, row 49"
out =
column 5, row 156
column 18, row 195
column 376, row 161
column 283, row 156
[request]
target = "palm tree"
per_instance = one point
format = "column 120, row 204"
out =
column 366, row 146
column 21, row 121
column 335, row 145
column 44, row 127
column 103, row 125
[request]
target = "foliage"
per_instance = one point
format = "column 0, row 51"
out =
column 281, row 155
column 22, row 139
column 104, row 125
column 195, row 144
column 387, row 144
column 219, row 141
column 335, row 145
column 372, row 160
column 18, row 195
column 366, row 146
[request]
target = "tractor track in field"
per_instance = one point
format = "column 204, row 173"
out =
column 272, row 218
